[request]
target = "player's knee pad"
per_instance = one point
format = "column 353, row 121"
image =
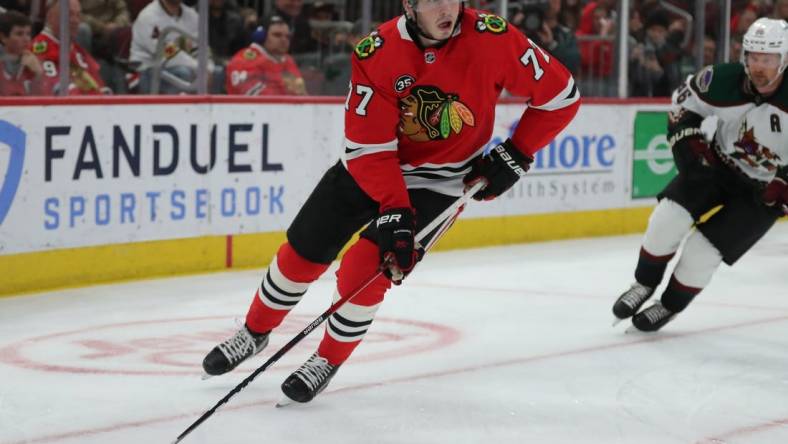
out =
column 287, row 279
column 295, row 267
column 359, row 264
column 667, row 226
column 698, row 261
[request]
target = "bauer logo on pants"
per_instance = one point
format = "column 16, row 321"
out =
column 12, row 158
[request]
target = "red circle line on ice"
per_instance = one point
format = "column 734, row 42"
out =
column 176, row 347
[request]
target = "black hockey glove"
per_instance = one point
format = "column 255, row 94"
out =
column 687, row 142
column 502, row 167
column 776, row 194
column 396, row 242
column 690, row 148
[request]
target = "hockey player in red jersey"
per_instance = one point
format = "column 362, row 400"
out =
column 744, row 169
column 266, row 68
column 85, row 78
column 418, row 115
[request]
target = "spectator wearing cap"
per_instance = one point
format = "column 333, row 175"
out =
column 84, row 75
column 22, row 74
column 654, row 67
column 296, row 16
column 558, row 39
column 325, row 29
column 226, row 36
column 265, row 67
column 337, row 67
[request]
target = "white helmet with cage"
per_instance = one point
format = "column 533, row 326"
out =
column 766, row 35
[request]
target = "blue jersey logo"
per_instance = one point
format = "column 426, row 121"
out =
column 14, row 138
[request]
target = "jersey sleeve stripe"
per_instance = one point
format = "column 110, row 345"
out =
column 355, row 150
column 566, row 97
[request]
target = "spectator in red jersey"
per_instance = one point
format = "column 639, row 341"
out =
column 596, row 52
column 595, row 38
column 85, row 78
column 22, row 74
column 267, row 68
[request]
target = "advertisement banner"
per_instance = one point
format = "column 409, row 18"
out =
column 586, row 167
column 81, row 176
column 652, row 163
column 84, row 175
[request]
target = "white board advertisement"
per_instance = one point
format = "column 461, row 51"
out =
column 82, row 175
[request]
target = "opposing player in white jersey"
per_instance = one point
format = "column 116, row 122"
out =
column 743, row 169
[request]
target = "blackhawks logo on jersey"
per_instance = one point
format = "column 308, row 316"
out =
column 491, row 23
column 368, row 45
column 430, row 114
column 40, row 47
column 749, row 151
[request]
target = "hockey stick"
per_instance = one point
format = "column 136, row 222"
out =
column 445, row 217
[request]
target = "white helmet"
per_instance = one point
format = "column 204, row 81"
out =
column 766, row 35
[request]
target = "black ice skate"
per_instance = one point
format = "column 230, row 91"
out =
column 227, row 355
column 653, row 318
column 630, row 301
column 308, row 381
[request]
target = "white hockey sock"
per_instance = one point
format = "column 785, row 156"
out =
column 667, row 226
column 699, row 259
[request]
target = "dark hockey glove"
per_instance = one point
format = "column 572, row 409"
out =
column 396, row 242
column 502, row 167
column 776, row 194
column 690, row 148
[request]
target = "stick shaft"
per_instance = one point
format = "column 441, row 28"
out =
column 439, row 221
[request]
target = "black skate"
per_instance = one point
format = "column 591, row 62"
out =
column 227, row 355
column 308, row 381
column 653, row 318
column 630, row 301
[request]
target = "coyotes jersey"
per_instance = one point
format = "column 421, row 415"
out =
column 416, row 117
column 749, row 136
column 254, row 72
column 85, row 77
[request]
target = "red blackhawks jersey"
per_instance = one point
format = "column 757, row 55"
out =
column 20, row 83
column 85, row 77
column 254, row 72
column 416, row 117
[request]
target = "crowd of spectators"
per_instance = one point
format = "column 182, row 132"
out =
column 299, row 48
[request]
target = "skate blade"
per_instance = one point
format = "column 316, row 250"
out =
column 632, row 330
column 617, row 321
column 284, row 401
column 206, row 376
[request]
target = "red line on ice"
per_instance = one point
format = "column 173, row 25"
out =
column 438, row 374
